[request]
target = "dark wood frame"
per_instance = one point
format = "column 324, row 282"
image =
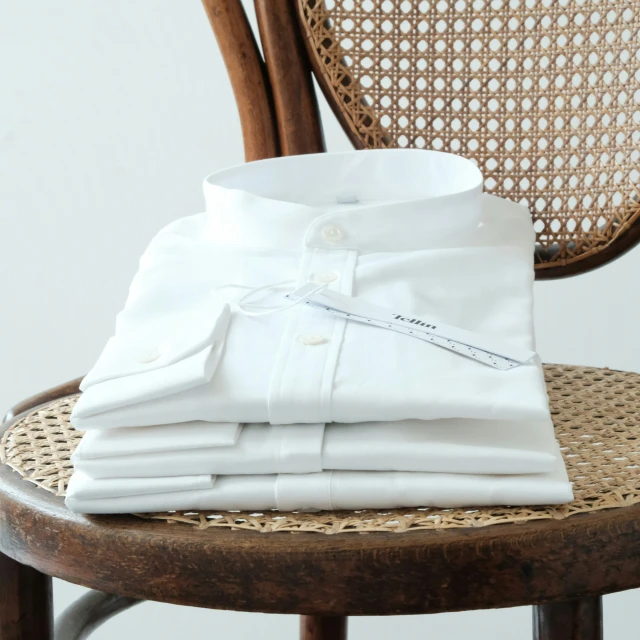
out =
column 278, row 106
column 275, row 95
column 560, row 567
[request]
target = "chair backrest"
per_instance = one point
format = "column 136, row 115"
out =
column 543, row 94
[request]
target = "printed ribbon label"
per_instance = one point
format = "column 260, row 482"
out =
column 493, row 352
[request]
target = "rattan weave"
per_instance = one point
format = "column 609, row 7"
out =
column 596, row 415
column 542, row 94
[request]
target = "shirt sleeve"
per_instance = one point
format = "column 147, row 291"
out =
column 171, row 327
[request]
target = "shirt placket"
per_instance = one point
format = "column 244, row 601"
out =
column 303, row 491
column 302, row 379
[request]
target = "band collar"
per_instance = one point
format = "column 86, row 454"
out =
column 378, row 200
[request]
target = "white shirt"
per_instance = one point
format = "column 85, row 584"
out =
column 407, row 229
column 447, row 446
column 85, row 488
column 327, row 490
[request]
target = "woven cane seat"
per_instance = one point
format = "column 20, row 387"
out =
column 399, row 561
column 540, row 93
column 596, row 414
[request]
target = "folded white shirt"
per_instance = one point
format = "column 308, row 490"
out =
column 404, row 229
column 449, row 446
column 106, row 443
column 338, row 490
column 85, row 488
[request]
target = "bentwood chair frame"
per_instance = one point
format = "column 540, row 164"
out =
column 364, row 55
column 544, row 100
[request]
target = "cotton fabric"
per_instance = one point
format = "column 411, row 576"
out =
column 449, row 446
column 83, row 487
column 341, row 490
column 420, row 237
column 202, row 400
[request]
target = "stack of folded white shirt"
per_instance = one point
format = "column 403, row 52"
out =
column 201, row 403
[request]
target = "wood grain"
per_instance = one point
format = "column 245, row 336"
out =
column 278, row 107
column 248, row 77
column 26, row 602
column 574, row 620
column 323, row 628
column 312, row 574
column 62, row 390
column 553, row 269
column 296, row 106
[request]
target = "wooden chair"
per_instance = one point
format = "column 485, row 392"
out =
column 542, row 94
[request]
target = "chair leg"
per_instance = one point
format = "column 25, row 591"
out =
column 572, row 620
column 26, row 602
column 82, row 617
column 323, row 628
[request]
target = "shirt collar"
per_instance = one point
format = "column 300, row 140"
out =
column 378, row 200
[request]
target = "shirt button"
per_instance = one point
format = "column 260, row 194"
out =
column 325, row 276
column 312, row 339
column 149, row 356
column 333, row 234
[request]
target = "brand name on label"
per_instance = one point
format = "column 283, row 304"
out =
column 415, row 321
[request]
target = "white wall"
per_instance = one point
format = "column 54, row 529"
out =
column 111, row 113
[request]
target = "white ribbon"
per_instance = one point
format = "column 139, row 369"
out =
column 262, row 310
column 487, row 350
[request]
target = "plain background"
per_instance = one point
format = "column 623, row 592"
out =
column 111, row 114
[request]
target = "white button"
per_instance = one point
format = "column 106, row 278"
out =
column 325, row 276
column 333, row 234
column 312, row 339
column 149, row 356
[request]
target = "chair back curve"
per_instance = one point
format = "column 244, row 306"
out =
column 543, row 94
